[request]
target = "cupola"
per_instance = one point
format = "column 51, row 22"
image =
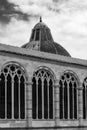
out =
column 41, row 32
column 41, row 40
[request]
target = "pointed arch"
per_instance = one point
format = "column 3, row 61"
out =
column 47, row 69
column 42, row 94
column 68, row 95
column 14, row 91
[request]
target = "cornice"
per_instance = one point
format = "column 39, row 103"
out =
column 41, row 55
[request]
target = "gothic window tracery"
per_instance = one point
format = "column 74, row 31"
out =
column 42, row 95
column 85, row 98
column 68, row 96
column 12, row 92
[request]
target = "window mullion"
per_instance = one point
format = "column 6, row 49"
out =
column 12, row 97
column 73, row 99
column 42, row 98
column 77, row 98
column 6, row 97
column 63, row 101
column 83, row 99
column 48, row 96
column 68, row 100
column 19, row 96
column 53, row 98
column 37, row 98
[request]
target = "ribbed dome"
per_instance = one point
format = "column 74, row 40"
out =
column 42, row 40
column 40, row 25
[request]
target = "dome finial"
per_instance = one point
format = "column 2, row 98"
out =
column 40, row 19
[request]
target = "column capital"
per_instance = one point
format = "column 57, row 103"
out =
column 29, row 81
column 80, row 88
column 80, row 83
column 56, row 83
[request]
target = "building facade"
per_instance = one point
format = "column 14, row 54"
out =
column 41, row 85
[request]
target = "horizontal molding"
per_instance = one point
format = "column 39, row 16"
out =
column 41, row 55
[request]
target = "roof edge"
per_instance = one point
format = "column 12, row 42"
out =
column 37, row 54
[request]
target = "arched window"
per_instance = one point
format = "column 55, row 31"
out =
column 85, row 98
column 12, row 92
column 37, row 37
column 33, row 35
column 68, row 96
column 42, row 95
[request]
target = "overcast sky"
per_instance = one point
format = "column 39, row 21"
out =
column 67, row 20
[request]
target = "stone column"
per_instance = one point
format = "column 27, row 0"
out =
column 29, row 102
column 80, row 103
column 56, row 94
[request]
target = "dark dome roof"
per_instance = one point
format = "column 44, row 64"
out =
column 40, row 25
column 41, row 40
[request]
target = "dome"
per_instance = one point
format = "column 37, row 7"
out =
column 42, row 40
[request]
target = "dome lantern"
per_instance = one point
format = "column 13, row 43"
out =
column 40, row 19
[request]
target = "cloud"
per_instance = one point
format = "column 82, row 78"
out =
column 49, row 7
column 16, row 33
column 8, row 10
column 5, row 9
column 67, row 20
column 72, row 33
column 31, row 7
